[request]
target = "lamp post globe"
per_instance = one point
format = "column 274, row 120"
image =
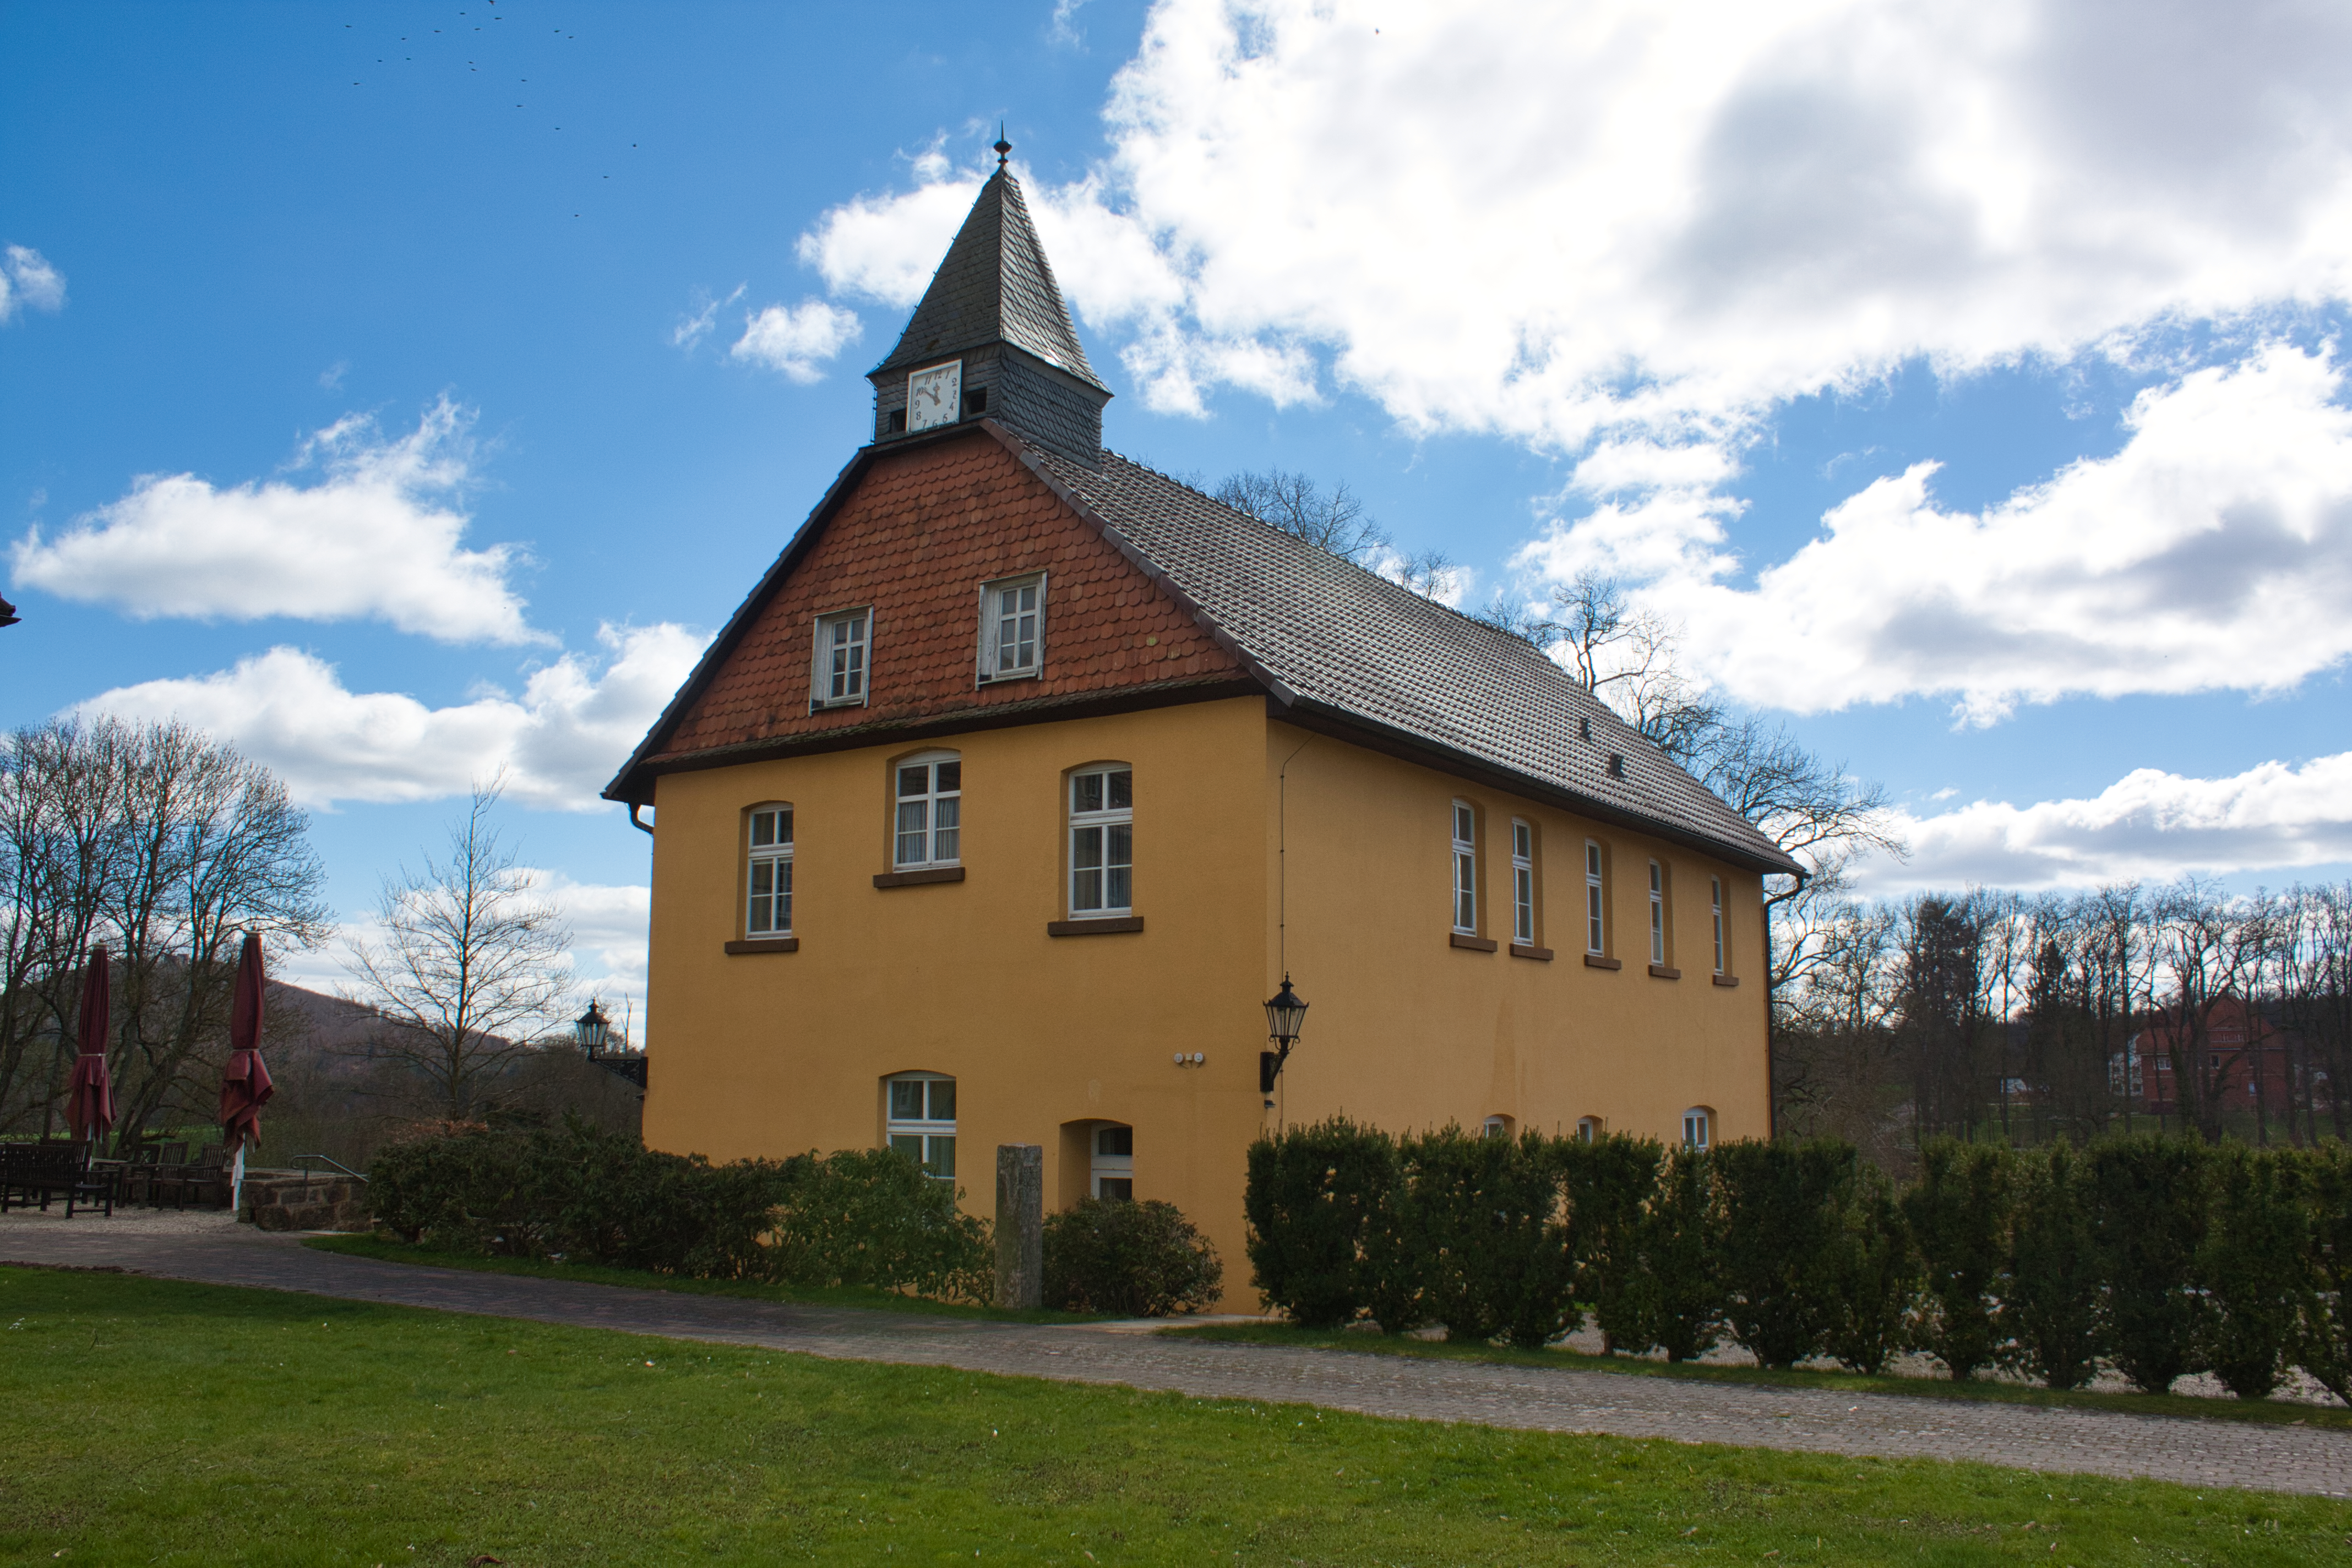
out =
column 1286, row 1015
column 592, row 1028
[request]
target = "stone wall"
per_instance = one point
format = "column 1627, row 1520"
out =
column 296, row 1200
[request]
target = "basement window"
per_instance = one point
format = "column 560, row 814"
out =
column 921, row 1124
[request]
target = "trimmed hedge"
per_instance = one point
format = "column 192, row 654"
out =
column 858, row 1218
column 2156, row 1257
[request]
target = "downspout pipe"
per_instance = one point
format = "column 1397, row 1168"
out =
column 639, row 823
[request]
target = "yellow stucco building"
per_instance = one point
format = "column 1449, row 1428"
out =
column 1026, row 774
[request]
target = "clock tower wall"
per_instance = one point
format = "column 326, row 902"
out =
column 1045, row 405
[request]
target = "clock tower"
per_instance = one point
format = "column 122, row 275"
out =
column 992, row 339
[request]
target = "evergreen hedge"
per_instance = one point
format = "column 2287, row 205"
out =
column 1136, row 1258
column 2156, row 1257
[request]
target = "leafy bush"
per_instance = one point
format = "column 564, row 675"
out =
column 1491, row 1225
column 872, row 1216
column 1394, row 1251
column 2323, row 1338
column 1611, row 1183
column 1873, row 1276
column 1141, row 1259
column 2049, row 1308
column 1312, row 1196
column 2257, row 1267
column 1681, row 1244
column 461, row 1190
column 2148, row 1226
column 1784, row 1222
column 1959, row 1210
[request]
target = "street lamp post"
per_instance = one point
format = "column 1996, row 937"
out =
column 1286, row 1015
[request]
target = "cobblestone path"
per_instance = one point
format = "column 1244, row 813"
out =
column 2192, row 1452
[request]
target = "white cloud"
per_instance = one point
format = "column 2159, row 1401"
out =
column 796, row 339
column 28, row 281
column 560, row 742
column 1558, row 221
column 2213, row 551
column 376, row 536
column 2149, row 824
column 693, row 327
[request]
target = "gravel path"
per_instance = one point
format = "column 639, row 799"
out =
column 209, row 1248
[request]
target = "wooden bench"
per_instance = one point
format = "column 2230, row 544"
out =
column 34, row 1173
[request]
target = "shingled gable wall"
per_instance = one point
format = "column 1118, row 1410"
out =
column 917, row 535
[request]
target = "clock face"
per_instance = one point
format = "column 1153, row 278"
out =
column 935, row 396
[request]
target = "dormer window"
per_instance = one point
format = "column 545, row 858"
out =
column 1013, row 628
column 844, row 641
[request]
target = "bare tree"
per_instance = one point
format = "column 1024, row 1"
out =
column 1330, row 520
column 166, row 846
column 471, row 967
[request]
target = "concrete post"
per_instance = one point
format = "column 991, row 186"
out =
column 1020, row 1225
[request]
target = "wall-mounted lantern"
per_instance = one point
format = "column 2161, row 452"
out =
column 1286, row 1015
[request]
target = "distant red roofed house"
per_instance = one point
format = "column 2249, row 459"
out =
column 2247, row 1065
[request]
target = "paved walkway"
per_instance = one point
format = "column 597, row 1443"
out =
column 2195, row 1453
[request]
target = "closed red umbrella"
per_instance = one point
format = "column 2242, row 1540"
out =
column 89, row 1109
column 245, row 1083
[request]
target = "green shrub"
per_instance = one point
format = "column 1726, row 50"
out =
column 1312, row 1195
column 1611, row 1184
column 2147, row 1227
column 1959, row 1210
column 1783, row 1223
column 2323, row 1338
column 2049, row 1309
column 1872, row 1277
column 1681, row 1245
column 603, row 1197
column 2256, row 1265
column 1394, row 1251
column 873, row 1216
column 462, row 1191
column 1491, row 1221
column 1138, row 1259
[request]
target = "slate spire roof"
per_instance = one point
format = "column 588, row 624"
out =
column 995, row 286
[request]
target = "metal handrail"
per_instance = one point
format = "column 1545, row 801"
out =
column 337, row 1165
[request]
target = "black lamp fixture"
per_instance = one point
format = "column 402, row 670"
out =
column 1286, row 1016
column 592, row 1028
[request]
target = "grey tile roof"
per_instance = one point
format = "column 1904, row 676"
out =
column 994, row 286
column 1333, row 636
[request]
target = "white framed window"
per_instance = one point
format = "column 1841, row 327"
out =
column 920, row 1120
column 1699, row 1128
column 1496, row 1127
column 770, row 874
column 845, row 644
column 1102, row 842
column 1657, row 913
column 1111, row 1170
column 1466, row 868
column 1523, row 883
column 1594, row 931
column 1715, row 908
column 927, row 828
column 1013, row 628
column 1589, row 1128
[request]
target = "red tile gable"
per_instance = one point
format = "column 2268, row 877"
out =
column 914, row 538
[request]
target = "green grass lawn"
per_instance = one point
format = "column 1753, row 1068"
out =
column 2279, row 1412
column 150, row 1421
column 867, row 1296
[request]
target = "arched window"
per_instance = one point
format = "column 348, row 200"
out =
column 1590, row 1129
column 1496, row 1127
column 1111, row 1172
column 1657, row 913
column 1594, row 931
column 920, row 1120
column 1102, row 842
column 1714, row 904
column 770, row 874
column 1523, row 882
column 927, row 827
column 1699, row 1128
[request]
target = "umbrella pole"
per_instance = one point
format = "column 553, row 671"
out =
column 237, row 1181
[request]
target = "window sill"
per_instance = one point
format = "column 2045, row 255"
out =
column 817, row 705
column 1659, row 972
column 916, row 879
column 1594, row 960
column 1474, row 944
column 1009, row 677
column 1726, row 980
column 1528, row 950
column 1109, row 926
column 765, row 944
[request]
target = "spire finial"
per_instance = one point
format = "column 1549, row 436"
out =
column 1004, row 148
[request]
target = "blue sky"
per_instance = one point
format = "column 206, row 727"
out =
column 391, row 287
